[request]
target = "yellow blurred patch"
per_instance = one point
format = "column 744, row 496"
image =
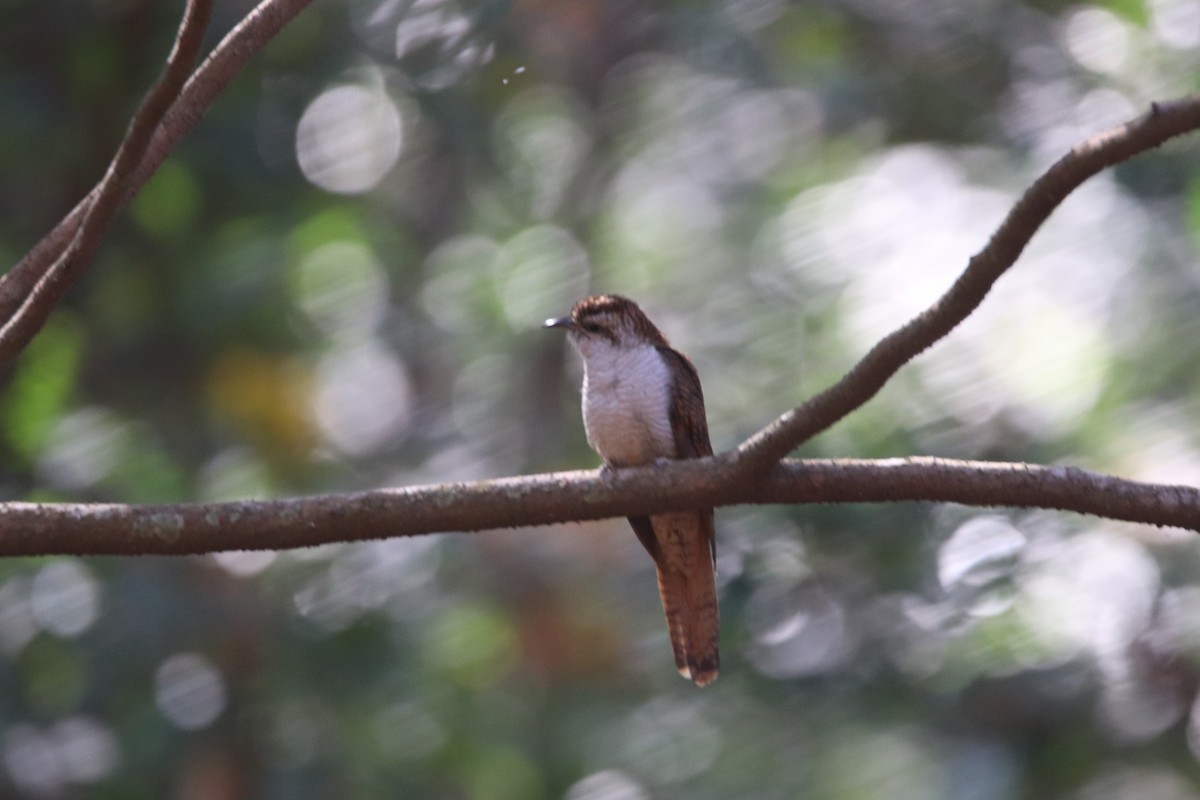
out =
column 267, row 397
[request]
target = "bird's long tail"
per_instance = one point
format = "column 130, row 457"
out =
column 687, row 585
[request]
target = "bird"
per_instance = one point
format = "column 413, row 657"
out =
column 643, row 404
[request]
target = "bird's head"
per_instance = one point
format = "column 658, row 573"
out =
column 608, row 321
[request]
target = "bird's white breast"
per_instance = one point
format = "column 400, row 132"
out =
column 626, row 404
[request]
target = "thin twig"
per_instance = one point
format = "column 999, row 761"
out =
column 225, row 61
column 868, row 376
column 106, row 198
column 97, row 529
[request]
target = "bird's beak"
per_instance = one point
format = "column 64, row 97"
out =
column 558, row 322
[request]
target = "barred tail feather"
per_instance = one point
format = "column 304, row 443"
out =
column 675, row 610
column 687, row 585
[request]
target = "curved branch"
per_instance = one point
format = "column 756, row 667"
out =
column 107, row 197
column 1164, row 121
column 220, row 67
column 97, row 529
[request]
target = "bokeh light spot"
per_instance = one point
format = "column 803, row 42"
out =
column 408, row 732
column 348, row 138
column 670, row 741
column 1091, row 593
column 235, row 474
column 480, row 389
column 33, row 760
column 977, row 556
column 244, row 563
column 84, row 447
column 341, row 287
column 798, row 630
column 189, row 690
column 610, row 784
column 89, row 749
column 65, row 598
column 363, row 398
column 1097, row 38
column 17, row 624
column 541, row 271
column 1176, row 23
column 41, row 761
column 454, row 291
column 1048, row 360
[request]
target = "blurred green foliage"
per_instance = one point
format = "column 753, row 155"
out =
column 337, row 282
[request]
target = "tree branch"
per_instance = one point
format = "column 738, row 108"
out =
column 792, row 429
column 752, row 473
column 99, row 529
column 20, row 284
column 106, row 198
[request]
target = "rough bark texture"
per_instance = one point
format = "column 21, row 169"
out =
column 62, row 528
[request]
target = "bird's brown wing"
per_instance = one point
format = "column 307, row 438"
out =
column 645, row 533
column 687, row 417
column 685, row 541
column 688, row 420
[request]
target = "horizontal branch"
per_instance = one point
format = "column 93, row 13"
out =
column 1164, row 121
column 98, row 529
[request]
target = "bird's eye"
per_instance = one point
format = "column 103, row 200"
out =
column 592, row 327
